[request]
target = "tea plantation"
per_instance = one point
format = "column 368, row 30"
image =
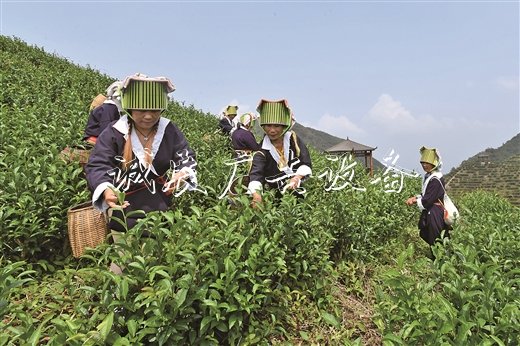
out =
column 344, row 266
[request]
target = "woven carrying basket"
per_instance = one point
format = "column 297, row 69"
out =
column 97, row 101
column 75, row 155
column 87, row 227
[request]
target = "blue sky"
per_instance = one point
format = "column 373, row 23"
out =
column 395, row 75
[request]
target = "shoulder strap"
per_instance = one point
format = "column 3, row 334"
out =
column 427, row 181
column 442, row 185
column 296, row 146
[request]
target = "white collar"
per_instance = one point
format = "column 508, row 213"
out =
column 267, row 145
column 122, row 126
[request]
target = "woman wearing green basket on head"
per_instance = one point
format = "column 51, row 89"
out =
column 431, row 222
column 283, row 162
column 142, row 154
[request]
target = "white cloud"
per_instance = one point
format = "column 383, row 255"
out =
column 387, row 110
column 339, row 126
column 393, row 127
column 389, row 125
column 508, row 83
column 392, row 116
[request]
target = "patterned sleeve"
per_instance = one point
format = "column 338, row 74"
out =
column 102, row 159
column 183, row 155
column 102, row 162
column 257, row 171
column 305, row 157
column 305, row 166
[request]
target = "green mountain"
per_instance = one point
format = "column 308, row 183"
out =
column 494, row 169
column 318, row 139
column 493, row 155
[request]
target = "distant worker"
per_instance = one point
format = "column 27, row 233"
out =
column 431, row 222
column 244, row 145
column 102, row 115
column 241, row 136
column 283, row 162
column 226, row 122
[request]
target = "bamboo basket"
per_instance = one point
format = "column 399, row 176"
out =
column 97, row 101
column 87, row 227
column 71, row 154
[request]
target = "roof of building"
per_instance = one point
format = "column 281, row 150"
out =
column 349, row 146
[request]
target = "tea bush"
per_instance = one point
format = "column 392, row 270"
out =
column 43, row 105
column 218, row 276
column 13, row 276
column 470, row 294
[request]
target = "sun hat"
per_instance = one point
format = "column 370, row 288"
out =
column 144, row 93
column 275, row 112
column 231, row 110
column 430, row 155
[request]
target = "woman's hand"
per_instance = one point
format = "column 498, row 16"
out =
column 295, row 181
column 257, row 199
column 293, row 184
column 111, row 199
column 175, row 182
column 411, row 201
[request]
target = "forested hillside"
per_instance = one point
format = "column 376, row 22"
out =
column 501, row 154
column 494, row 170
column 344, row 265
column 318, row 139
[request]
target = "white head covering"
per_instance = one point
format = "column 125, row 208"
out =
column 114, row 89
column 114, row 94
column 245, row 119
